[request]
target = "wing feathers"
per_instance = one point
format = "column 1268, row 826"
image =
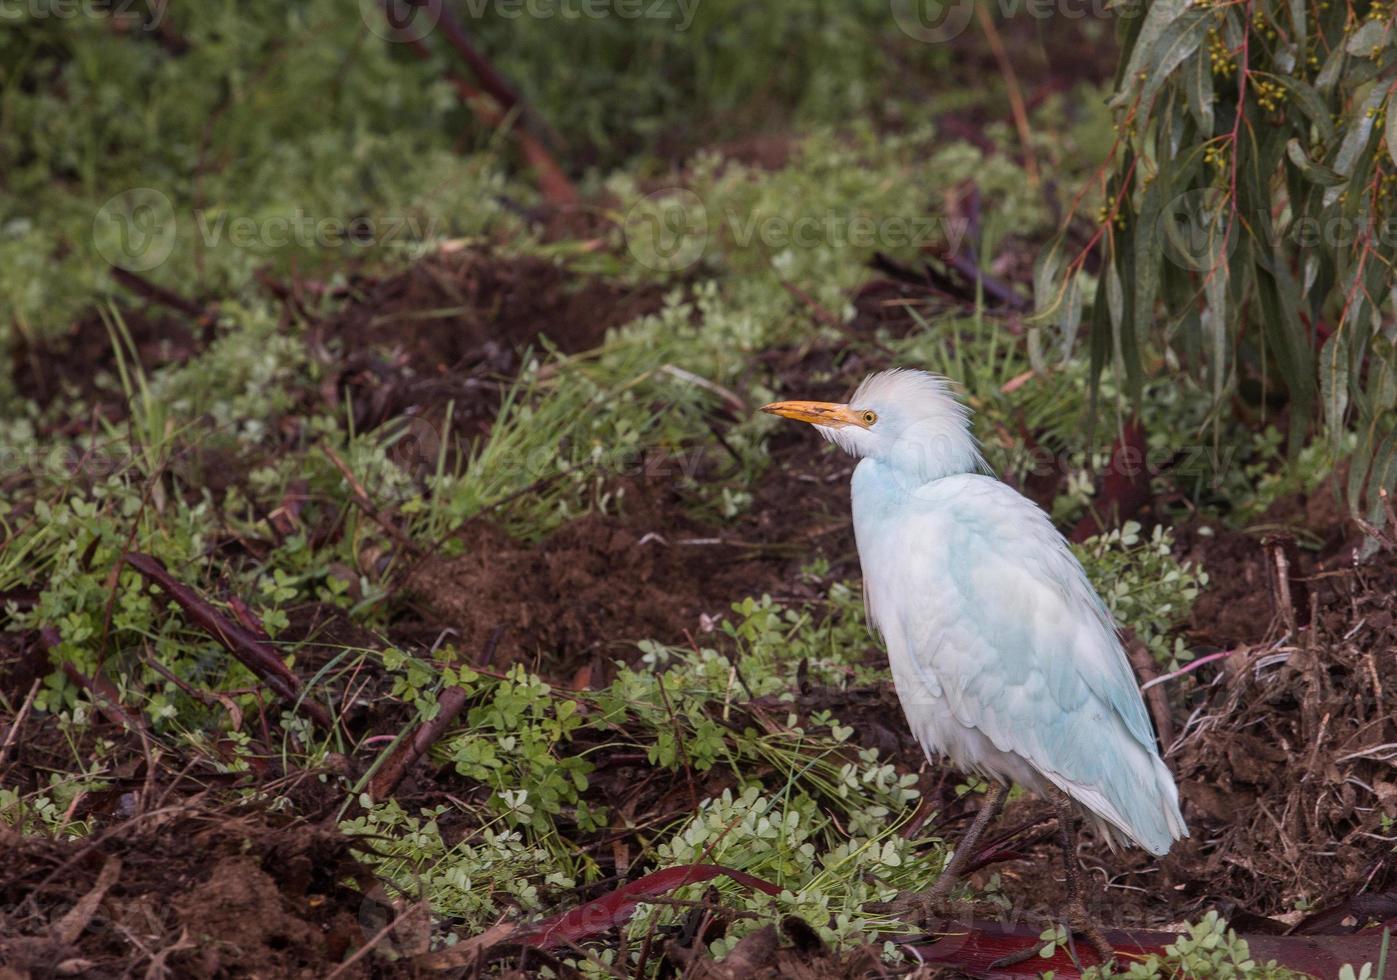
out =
column 1022, row 650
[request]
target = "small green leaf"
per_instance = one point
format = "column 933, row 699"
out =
column 1315, row 173
column 1308, row 100
column 1198, row 88
column 1392, row 127
column 1368, row 40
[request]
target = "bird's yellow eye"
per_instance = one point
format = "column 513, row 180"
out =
column 868, row 416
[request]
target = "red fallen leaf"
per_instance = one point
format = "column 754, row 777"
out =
column 972, row 947
column 616, row 907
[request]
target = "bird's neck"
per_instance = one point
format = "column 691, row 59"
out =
column 881, row 487
column 914, row 463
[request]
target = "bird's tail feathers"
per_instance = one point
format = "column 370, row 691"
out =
column 1143, row 809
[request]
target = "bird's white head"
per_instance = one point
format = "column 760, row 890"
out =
column 909, row 420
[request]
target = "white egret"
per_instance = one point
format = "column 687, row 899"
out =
column 1005, row 659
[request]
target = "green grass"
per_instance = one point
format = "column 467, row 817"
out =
column 365, row 130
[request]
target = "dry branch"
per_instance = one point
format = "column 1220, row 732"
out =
column 257, row 656
column 406, row 753
column 552, row 181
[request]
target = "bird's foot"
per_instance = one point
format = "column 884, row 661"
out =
column 926, row 908
column 1082, row 926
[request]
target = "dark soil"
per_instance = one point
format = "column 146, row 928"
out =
column 183, row 891
column 81, row 365
column 581, row 597
column 1284, row 746
column 453, row 328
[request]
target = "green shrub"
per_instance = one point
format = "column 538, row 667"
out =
column 1248, row 230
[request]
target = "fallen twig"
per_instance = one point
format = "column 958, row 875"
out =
column 67, row 929
column 1155, row 699
column 13, row 734
column 257, row 656
column 1189, row 667
column 993, row 286
column 405, row 754
column 362, row 501
column 1012, row 89
column 104, row 694
column 490, row 78
column 146, row 289
column 418, row 908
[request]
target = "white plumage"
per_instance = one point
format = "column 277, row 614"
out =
column 1005, row 659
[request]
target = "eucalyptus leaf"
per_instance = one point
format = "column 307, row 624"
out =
column 1181, row 38
column 1160, row 15
column 1334, row 383
column 1370, row 39
column 1070, row 318
column 1392, row 128
column 1198, row 87
column 1311, row 103
column 1315, row 173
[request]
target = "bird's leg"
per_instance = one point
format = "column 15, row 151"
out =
column 1078, row 919
column 965, row 851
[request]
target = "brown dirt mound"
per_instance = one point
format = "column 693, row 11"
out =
column 1238, row 607
column 183, row 892
column 1286, row 765
column 81, row 363
column 579, row 599
column 453, row 328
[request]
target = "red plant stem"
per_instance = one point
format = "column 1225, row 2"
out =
column 1188, row 668
column 1243, row 70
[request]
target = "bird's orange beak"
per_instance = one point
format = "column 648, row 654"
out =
column 829, row 414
